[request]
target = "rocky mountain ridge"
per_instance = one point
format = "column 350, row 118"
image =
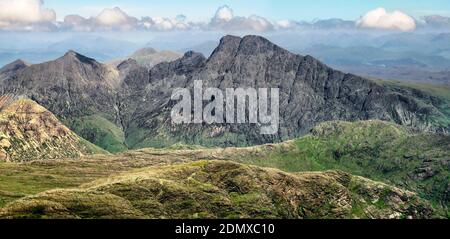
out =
column 136, row 101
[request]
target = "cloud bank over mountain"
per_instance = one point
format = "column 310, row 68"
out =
column 31, row 15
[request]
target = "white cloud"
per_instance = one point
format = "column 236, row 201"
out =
column 285, row 24
column 161, row 23
column 112, row 17
column 115, row 18
column 381, row 19
column 23, row 14
column 258, row 23
column 224, row 19
column 165, row 24
column 77, row 23
column 224, row 13
column 31, row 15
column 107, row 19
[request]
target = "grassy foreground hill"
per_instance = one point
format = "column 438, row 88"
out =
column 378, row 150
column 222, row 189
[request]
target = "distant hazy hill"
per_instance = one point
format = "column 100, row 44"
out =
column 381, row 63
column 101, row 48
column 39, row 49
column 148, row 57
column 29, row 132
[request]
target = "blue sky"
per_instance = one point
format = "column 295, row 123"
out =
column 288, row 9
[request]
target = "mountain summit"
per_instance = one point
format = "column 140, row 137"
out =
column 310, row 92
column 130, row 107
column 74, row 56
column 12, row 68
column 15, row 65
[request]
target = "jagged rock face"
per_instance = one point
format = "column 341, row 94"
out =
column 310, row 92
column 138, row 99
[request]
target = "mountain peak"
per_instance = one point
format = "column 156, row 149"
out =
column 256, row 39
column 249, row 39
column 15, row 65
column 72, row 55
column 145, row 51
column 229, row 45
column 252, row 44
column 20, row 62
column 71, row 52
column 230, row 38
column 227, row 48
column 229, row 42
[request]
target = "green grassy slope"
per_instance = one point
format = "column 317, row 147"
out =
column 21, row 179
column 373, row 149
column 378, row 150
column 222, row 189
column 99, row 131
